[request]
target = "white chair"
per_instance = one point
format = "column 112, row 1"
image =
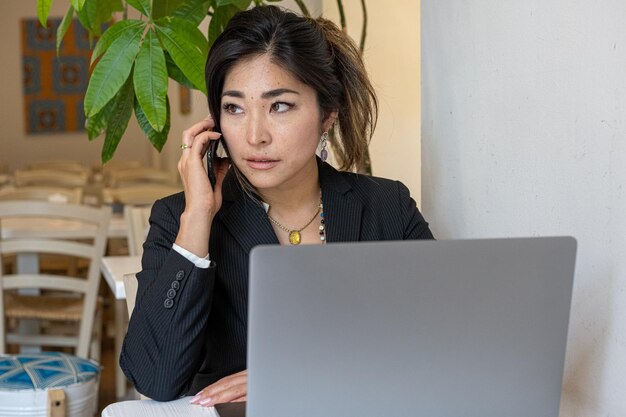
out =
column 141, row 175
column 43, row 193
column 60, row 165
column 137, row 221
column 116, row 165
column 50, row 177
column 63, row 298
column 130, row 288
column 138, row 194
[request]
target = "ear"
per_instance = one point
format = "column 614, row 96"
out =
column 329, row 120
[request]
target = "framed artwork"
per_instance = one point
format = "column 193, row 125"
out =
column 54, row 86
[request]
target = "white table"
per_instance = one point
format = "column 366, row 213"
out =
column 114, row 268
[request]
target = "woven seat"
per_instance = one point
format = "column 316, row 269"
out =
column 43, row 307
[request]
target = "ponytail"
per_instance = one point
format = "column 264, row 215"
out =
column 358, row 105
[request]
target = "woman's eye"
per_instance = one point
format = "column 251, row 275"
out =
column 280, row 107
column 231, row 108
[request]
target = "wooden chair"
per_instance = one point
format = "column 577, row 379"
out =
column 141, row 175
column 63, row 299
column 130, row 288
column 116, row 165
column 137, row 221
column 42, row 193
column 138, row 194
column 60, row 165
column 50, row 177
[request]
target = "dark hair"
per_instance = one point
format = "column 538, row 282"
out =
column 316, row 52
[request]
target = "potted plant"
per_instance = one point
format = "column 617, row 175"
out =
column 134, row 58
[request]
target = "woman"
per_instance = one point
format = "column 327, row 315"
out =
column 278, row 85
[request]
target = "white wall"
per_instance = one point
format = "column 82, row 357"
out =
column 392, row 56
column 16, row 147
column 523, row 130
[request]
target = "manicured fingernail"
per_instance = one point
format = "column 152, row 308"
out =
column 206, row 401
column 195, row 399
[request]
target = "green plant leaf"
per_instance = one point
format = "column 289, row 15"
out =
column 106, row 8
column 157, row 139
column 97, row 123
column 240, row 4
column 43, row 9
column 62, row 29
column 112, row 34
column 219, row 20
column 193, row 11
column 187, row 47
column 162, row 8
column 150, row 80
column 118, row 119
column 112, row 70
column 175, row 73
column 142, row 5
column 88, row 17
column 181, row 26
column 78, row 4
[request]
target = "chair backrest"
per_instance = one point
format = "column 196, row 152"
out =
column 138, row 195
column 60, row 165
column 137, row 221
column 60, row 238
column 130, row 288
column 53, row 177
column 116, row 165
column 41, row 193
column 141, row 175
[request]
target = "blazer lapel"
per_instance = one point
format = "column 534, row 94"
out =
column 342, row 211
column 244, row 218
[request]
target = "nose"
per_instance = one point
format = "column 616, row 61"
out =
column 257, row 129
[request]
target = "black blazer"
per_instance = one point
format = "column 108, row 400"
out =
column 189, row 325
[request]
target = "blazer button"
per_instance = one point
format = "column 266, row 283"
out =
column 175, row 285
column 180, row 275
column 171, row 293
column 169, row 303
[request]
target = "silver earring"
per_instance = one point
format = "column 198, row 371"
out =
column 324, row 151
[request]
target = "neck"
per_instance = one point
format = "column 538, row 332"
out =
column 304, row 193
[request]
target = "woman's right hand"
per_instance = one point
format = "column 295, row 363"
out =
column 201, row 200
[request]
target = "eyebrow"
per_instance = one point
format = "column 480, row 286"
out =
column 268, row 94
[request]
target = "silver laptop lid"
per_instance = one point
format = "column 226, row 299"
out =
column 473, row 328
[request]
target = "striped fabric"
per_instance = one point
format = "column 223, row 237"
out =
column 44, row 370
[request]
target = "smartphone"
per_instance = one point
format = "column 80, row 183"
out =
column 211, row 159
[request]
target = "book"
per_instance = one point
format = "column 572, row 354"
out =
column 151, row 408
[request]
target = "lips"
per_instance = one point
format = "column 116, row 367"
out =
column 261, row 163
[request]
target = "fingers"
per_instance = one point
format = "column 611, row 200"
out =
column 231, row 388
column 202, row 126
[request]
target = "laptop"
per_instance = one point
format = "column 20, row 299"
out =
column 472, row 328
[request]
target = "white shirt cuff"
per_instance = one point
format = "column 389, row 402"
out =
column 195, row 259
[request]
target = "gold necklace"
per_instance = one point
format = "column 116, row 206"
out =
column 294, row 234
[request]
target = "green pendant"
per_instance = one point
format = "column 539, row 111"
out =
column 294, row 237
